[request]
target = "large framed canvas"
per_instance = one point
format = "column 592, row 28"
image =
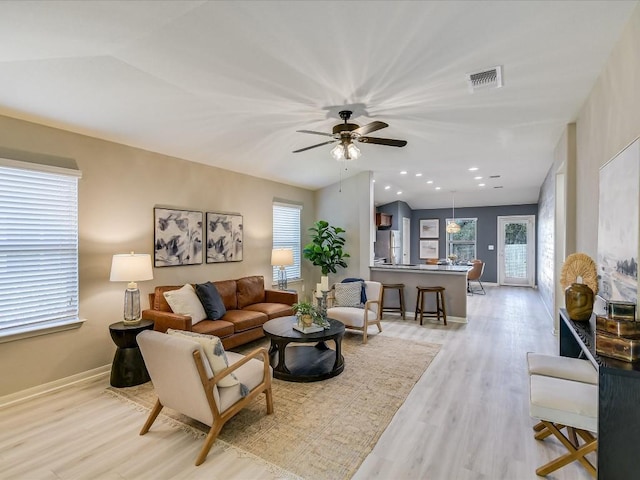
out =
column 618, row 224
column 429, row 228
column 177, row 237
column 428, row 249
column 224, row 237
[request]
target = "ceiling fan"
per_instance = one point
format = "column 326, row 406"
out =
column 347, row 133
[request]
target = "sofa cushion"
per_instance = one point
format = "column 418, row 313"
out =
column 219, row 328
column 250, row 290
column 159, row 302
column 214, row 351
column 185, row 302
column 211, row 300
column 245, row 319
column 227, row 290
column 348, row 294
column 271, row 310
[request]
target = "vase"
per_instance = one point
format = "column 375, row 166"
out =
column 578, row 299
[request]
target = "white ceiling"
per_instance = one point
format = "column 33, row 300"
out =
column 229, row 83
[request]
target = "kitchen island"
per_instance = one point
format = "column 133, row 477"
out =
column 452, row 277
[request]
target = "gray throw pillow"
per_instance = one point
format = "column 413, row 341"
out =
column 348, row 295
column 211, row 300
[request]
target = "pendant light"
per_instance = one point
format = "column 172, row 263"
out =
column 452, row 226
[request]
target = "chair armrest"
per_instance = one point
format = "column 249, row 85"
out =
column 280, row 296
column 164, row 320
column 371, row 302
column 230, row 369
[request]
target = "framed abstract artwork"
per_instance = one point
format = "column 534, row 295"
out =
column 618, row 226
column 177, row 237
column 428, row 249
column 429, row 228
column 224, row 237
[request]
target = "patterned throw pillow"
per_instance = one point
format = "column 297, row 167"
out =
column 214, row 351
column 348, row 295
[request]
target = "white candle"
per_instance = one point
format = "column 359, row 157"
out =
column 318, row 290
column 324, row 283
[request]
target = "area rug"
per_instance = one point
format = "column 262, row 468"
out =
column 321, row 430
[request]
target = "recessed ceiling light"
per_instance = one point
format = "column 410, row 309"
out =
column 481, row 184
column 429, row 182
column 403, row 172
column 437, row 188
column 477, row 178
column 399, row 192
column 473, row 169
column 387, row 187
column 418, row 174
column 374, row 180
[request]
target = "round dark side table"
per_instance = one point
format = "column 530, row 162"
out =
column 128, row 368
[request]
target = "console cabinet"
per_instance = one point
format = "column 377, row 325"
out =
column 618, row 401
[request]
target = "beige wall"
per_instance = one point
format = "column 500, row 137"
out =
column 349, row 205
column 608, row 122
column 119, row 188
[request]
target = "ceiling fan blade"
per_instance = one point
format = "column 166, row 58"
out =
column 383, row 141
column 314, row 146
column 315, row 133
column 370, row 127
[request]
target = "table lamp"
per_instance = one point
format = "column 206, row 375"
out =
column 282, row 257
column 132, row 268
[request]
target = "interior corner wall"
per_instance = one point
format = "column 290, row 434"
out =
column 349, row 204
column 119, row 188
column 607, row 122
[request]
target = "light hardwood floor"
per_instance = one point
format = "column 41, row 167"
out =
column 466, row 418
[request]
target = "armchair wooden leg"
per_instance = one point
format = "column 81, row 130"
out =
column 208, row 443
column 269, row 396
column 152, row 417
column 379, row 326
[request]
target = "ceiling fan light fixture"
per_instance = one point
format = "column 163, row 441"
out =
column 354, row 152
column 337, row 152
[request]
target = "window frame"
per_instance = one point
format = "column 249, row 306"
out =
column 11, row 330
column 294, row 272
column 449, row 242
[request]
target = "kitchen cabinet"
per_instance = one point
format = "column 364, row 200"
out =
column 383, row 219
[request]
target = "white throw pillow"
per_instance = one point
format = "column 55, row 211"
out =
column 184, row 301
column 214, row 351
column 348, row 294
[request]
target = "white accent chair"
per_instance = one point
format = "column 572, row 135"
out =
column 183, row 380
column 361, row 318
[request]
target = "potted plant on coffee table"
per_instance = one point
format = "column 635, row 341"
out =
column 307, row 313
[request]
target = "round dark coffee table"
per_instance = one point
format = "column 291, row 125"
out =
column 304, row 363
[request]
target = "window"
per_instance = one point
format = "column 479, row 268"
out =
column 38, row 248
column 286, row 234
column 463, row 243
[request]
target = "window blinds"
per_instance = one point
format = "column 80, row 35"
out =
column 286, row 234
column 38, row 247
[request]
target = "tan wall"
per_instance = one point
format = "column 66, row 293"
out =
column 119, row 188
column 608, row 122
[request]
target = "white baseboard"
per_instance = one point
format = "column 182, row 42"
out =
column 40, row 390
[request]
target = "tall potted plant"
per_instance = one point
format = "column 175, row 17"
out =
column 326, row 247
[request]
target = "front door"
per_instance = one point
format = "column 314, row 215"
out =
column 516, row 250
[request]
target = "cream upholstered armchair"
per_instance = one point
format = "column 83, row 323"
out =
column 359, row 318
column 184, row 381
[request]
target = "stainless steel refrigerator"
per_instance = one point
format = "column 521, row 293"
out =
column 389, row 246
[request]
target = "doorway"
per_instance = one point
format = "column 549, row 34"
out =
column 516, row 250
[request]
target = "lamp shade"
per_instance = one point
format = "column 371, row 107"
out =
column 282, row 257
column 131, row 267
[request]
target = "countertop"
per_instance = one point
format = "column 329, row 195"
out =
column 449, row 269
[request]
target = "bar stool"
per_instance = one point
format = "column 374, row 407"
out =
column 441, row 309
column 399, row 287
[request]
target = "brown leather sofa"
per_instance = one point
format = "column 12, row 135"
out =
column 249, row 305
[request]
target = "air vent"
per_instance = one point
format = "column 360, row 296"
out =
column 490, row 78
column 494, row 176
column 500, row 186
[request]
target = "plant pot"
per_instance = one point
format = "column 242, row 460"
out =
column 306, row 320
column 578, row 299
